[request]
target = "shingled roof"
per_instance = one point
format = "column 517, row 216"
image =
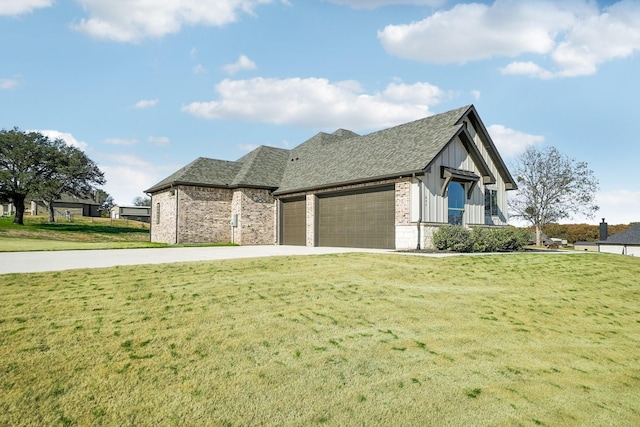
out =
column 631, row 236
column 344, row 157
column 202, row 172
column 327, row 160
column 263, row 168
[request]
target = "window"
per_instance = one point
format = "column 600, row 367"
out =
column 157, row 213
column 490, row 202
column 456, row 198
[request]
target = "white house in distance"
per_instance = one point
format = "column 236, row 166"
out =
column 626, row 242
column 134, row 213
column 387, row 189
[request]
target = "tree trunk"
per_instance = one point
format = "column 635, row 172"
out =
column 538, row 235
column 18, row 202
column 52, row 214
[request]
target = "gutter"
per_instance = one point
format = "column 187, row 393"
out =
column 345, row 183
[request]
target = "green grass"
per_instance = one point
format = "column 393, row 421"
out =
column 83, row 233
column 358, row 339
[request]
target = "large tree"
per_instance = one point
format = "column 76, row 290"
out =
column 32, row 164
column 74, row 174
column 551, row 187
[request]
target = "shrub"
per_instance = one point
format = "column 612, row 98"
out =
column 454, row 238
column 459, row 239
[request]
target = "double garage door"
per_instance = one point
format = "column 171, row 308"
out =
column 363, row 219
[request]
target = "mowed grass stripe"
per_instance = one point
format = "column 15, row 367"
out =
column 357, row 339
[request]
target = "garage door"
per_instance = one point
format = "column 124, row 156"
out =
column 365, row 219
column 294, row 222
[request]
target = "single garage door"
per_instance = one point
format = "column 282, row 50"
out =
column 294, row 222
column 363, row 219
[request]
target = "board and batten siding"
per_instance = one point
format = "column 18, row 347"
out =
column 500, row 186
column 434, row 209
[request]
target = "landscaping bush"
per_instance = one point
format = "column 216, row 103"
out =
column 459, row 239
column 454, row 238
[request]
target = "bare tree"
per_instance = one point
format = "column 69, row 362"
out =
column 551, row 187
column 141, row 201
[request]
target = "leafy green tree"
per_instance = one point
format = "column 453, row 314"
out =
column 551, row 187
column 33, row 164
column 74, row 174
column 105, row 202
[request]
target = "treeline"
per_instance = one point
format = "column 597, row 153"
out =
column 581, row 232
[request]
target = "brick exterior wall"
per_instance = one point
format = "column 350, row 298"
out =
column 163, row 217
column 255, row 210
column 403, row 202
column 311, row 219
column 204, row 215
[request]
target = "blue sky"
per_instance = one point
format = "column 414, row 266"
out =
column 146, row 87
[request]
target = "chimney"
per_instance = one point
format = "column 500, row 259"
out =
column 604, row 233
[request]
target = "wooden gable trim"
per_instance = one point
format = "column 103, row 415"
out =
column 472, row 116
column 476, row 156
column 452, row 174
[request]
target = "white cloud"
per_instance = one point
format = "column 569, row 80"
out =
column 510, row 142
column 18, row 7
column 247, row 147
column 243, row 63
column 128, row 176
column 317, row 103
column 476, row 94
column 159, row 140
column 121, row 141
column 199, row 69
column 145, row 103
column 134, row 20
column 66, row 137
column 8, row 84
column 527, row 68
column 576, row 35
column 372, row 4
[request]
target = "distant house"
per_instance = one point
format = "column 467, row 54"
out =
column 6, row 208
column 626, row 242
column 388, row 189
column 68, row 205
column 134, row 213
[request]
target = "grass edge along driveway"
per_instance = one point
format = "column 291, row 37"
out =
column 349, row 339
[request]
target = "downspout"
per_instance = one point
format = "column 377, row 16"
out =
column 177, row 222
column 420, row 184
column 150, row 214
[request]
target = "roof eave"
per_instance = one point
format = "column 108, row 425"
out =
column 350, row 182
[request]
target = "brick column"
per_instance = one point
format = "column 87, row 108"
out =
column 311, row 219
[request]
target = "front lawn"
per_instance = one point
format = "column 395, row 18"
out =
column 37, row 234
column 354, row 339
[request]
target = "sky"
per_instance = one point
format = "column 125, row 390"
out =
column 145, row 87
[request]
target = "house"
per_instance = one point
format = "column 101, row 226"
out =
column 134, row 213
column 626, row 242
column 68, row 206
column 388, row 189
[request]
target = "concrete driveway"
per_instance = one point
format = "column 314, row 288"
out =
column 32, row 262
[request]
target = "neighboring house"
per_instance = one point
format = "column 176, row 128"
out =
column 6, row 209
column 626, row 242
column 134, row 213
column 68, row 205
column 388, row 189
